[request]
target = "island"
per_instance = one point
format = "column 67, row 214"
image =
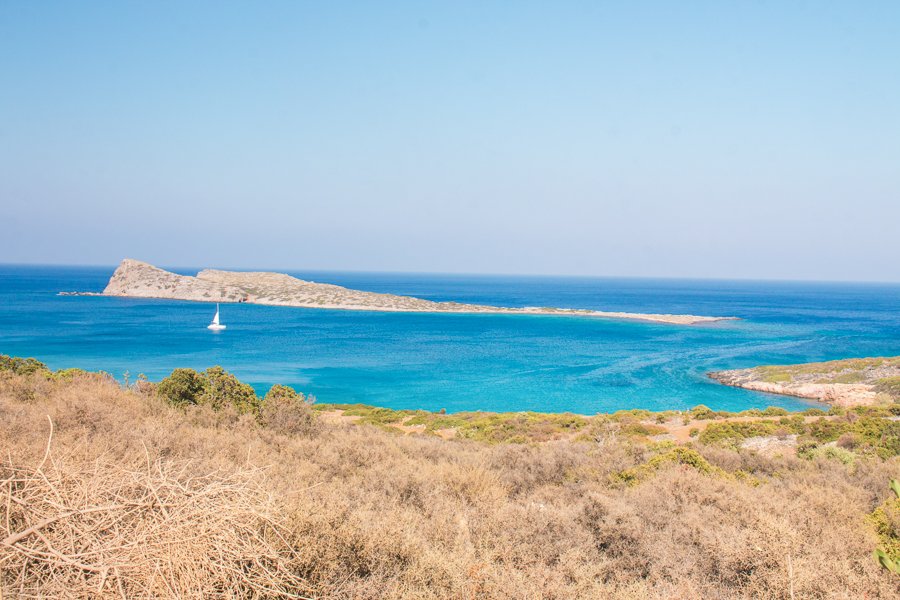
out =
column 136, row 279
column 848, row 382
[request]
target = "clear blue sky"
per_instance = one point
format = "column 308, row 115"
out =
column 699, row 139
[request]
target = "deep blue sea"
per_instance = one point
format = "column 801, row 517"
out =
column 462, row 362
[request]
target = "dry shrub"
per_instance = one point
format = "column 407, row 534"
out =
column 288, row 412
column 848, row 441
column 356, row 512
column 747, row 461
column 80, row 530
column 24, row 388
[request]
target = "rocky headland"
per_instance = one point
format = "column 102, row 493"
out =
column 141, row 280
column 850, row 382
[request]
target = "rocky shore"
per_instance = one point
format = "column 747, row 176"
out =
column 850, row 382
column 141, row 280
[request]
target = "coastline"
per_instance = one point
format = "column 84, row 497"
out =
column 771, row 429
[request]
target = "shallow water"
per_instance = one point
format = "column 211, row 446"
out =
column 463, row 362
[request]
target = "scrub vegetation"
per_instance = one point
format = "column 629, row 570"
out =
column 851, row 370
column 191, row 488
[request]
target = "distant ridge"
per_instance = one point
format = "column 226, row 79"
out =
column 137, row 279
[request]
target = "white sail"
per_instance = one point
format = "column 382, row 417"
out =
column 215, row 325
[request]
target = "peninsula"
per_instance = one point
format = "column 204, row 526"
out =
column 850, row 382
column 138, row 279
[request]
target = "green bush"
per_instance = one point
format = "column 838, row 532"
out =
column 215, row 387
column 678, row 455
column 824, row 430
column 701, row 412
column 70, row 374
column 886, row 521
column 738, row 430
column 283, row 392
column 881, row 434
column 631, row 414
column 22, row 366
column 224, row 389
column 841, row 455
column 873, row 411
column 182, row 387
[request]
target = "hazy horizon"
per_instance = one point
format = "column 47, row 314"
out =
column 192, row 269
column 649, row 140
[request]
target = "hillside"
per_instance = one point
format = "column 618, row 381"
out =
column 196, row 488
column 138, row 279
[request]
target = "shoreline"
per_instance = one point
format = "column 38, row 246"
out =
column 669, row 319
column 767, row 430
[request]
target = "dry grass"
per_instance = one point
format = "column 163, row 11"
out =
column 139, row 499
column 76, row 531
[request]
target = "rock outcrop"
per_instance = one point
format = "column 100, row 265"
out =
column 141, row 280
column 850, row 382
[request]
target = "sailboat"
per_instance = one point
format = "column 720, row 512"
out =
column 215, row 325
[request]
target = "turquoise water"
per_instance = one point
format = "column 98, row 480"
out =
column 463, row 362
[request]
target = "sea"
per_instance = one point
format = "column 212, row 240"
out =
column 460, row 362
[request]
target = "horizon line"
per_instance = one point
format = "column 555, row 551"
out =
column 470, row 274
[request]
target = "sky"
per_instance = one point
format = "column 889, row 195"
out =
column 612, row 138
